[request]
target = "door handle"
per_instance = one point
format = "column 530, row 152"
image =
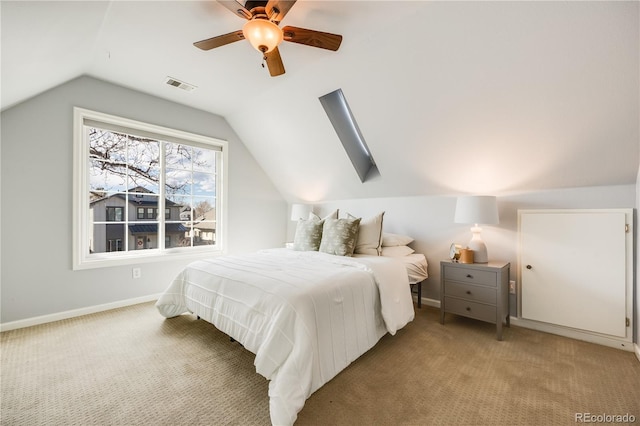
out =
column 529, row 267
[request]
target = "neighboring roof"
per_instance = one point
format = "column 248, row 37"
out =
column 206, row 226
column 137, row 196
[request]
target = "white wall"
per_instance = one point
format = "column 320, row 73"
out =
column 36, row 198
column 429, row 220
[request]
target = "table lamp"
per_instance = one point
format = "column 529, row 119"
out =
column 478, row 210
column 300, row 211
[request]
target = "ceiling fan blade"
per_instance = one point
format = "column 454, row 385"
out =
column 236, row 8
column 218, row 41
column 312, row 38
column 274, row 63
column 277, row 9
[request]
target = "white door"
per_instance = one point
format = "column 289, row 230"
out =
column 573, row 269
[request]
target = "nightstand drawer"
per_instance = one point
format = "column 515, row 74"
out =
column 474, row 276
column 470, row 292
column 470, row 309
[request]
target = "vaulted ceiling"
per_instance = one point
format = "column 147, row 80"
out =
column 451, row 97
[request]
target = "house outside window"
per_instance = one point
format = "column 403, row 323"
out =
column 126, row 172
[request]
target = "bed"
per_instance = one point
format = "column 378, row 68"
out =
column 306, row 315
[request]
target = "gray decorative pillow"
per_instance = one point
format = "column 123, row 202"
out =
column 308, row 235
column 339, row 236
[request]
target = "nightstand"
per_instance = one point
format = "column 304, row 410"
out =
column 476, row 290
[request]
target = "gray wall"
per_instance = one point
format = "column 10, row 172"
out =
column 429, row 220
column 36, row 198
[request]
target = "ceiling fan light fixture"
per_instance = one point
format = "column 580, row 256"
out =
column 263, row 34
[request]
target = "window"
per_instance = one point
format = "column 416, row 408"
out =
column 125, row 173
column 114, row 214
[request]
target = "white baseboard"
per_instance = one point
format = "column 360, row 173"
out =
column 637, row 350
column 43, row 319
column 431, row 302
column 427, row 302
column 624, row 344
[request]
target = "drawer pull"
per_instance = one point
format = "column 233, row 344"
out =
column 468, row 292
column 469, row 276
column 468, row 309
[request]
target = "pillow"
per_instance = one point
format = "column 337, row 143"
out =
column 369, row 235
column 339, row 236
column 308, row 235
column 397, row 251
column 392, row 240
column 332, row 215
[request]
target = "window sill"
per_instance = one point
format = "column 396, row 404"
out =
column 106, row 260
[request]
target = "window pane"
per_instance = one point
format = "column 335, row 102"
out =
column 177, row 181
column 204, row 233
column 178, row 156
column 143, row 159
column 176, row 235
column 204, row 160
column 105, row 176
column 204, row 208
column 204, row 184
column 108, row 146
column 103, row 238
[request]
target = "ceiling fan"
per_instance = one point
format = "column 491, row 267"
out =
column 264, row 34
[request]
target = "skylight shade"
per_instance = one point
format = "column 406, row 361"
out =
column 344, row 123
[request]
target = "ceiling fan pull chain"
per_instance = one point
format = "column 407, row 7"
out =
column 264, row 59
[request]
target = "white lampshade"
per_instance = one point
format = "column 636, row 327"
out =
column 263, row 34
column 300, row 211
column 479, row 210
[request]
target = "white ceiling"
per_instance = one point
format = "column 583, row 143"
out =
column 451, row 97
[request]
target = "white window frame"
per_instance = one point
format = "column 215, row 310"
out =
column 82, row 259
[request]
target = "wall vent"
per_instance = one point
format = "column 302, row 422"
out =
column 180, row 84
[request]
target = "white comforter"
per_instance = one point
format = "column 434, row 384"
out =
column 305, row 315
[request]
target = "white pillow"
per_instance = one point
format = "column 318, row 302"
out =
column 397, row 251
column 332, row 215
column 369, row 235
column 392, row 240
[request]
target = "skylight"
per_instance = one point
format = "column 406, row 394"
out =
column 344, row 123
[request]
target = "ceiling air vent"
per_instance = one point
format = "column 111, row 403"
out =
column 179, row 84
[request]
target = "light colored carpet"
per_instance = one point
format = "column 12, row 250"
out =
column 130, row 366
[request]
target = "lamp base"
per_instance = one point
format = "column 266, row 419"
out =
column 477, row 245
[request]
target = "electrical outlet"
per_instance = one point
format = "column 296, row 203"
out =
column 512, row 287
column 136, row 272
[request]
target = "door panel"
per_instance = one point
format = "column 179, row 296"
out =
column 578, row 268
